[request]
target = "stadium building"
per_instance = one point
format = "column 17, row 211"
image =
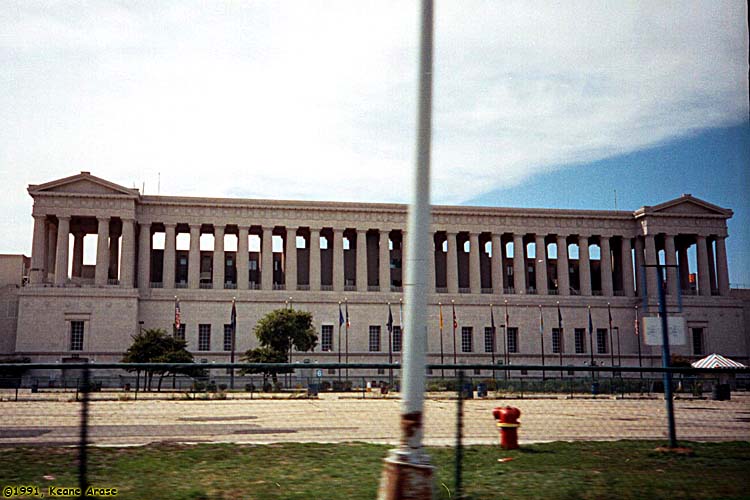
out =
column 107, row 260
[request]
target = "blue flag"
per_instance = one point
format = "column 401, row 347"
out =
column 341, row 316
column 233, row 318
column 591, row 323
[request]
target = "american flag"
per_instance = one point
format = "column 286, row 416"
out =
column 177, row 313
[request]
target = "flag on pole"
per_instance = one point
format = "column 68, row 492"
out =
column 455, row 320
column 233, row 317
column 609, row 312
column 177, row 315
column 636, row 323
column 541, row 321
column 559, row 317
column 389, row 323
column 507, row 316
column 401, row 315
column 346, row 308
column 591, row 323
column 492, row 326
column 441, row 315
column 341, row 316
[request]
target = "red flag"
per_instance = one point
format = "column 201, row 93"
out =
column 177, row 313
column 455, row 321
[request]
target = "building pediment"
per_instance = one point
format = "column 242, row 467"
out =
column 83, row 184
column 685, row 205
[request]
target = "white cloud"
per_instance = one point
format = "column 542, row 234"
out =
column 317, row 100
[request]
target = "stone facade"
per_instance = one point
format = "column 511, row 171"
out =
column 151, row 250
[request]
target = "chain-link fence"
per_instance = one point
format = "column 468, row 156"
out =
column 123, row 405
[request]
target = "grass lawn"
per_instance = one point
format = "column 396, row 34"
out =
column 624, row 469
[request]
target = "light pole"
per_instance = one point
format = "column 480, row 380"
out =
column 407, row 472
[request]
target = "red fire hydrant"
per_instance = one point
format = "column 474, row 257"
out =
column 508, row 424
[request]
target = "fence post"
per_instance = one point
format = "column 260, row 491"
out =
column 459, row 434
column 82, row 456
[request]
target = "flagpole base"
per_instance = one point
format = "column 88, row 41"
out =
column 403, row 479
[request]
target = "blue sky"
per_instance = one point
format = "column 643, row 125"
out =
column 712, row 164
column 317, row 101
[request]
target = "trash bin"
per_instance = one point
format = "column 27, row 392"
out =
column 467, row 391
column 35, row 386
column 594, row 388
column 312, row 389
column 481, row 390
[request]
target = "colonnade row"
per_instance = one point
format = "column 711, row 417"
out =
column 349, row 259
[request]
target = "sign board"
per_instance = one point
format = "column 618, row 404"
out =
column 319, row 373
column 676, row 326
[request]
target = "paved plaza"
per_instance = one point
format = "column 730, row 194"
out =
column 55, row 418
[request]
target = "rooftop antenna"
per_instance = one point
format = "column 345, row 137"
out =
column 158, row 185
column 615, row 199
column 143, row 188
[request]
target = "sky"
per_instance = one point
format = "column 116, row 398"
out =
column 539, row 104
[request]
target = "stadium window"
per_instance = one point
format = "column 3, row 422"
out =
column 489, row 339
column 697, row 341
column 396, row 339
column 204, row 337
column 227, row 337
column 512, row 339
column 556, row 340
column 580, row 340
column 466, row 334
column 374, row 343
column 76, row 335
column 326, row 338
column 381, row 371
column 601, row 341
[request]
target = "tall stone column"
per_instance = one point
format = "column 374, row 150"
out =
column 266, row 266
column 627, row 266
column 497, row 264
column 670, row 259
column 432, row 276
column 338, row 260
column 101, row 272
column 77, row 264
column 475, row 279
column 218, row 262
column 314, row 259
column 243, row 258
column 519, row 264
column 384, row 264
column 51, row 251
column 606, row 266
column 61, row 259
column 584, row 265
column 144, row 257
column 563, row 270
column 640, row 272
column 540, row 264
column 127, row 260
column 170, row 255
column 114, row 257
column 194, row 257
column 651, row 259
column 361, row 260
column 290, row 261
column 722, row 270
column 451, row 263
column 38, row 264
column 704, row 286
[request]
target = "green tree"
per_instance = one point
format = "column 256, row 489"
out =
column 155, row 346
column 277, row 332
